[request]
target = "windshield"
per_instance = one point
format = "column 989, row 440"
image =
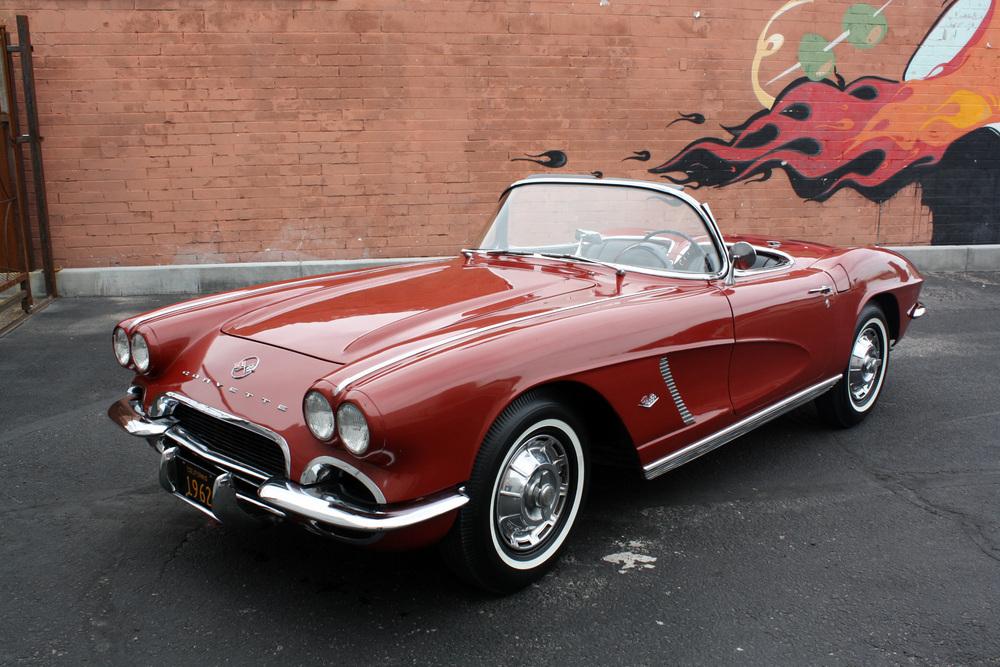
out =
column 614, row 224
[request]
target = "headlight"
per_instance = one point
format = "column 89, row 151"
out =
column 353, row 428
column 140, row 352
column 319, row 415
column 120, row 343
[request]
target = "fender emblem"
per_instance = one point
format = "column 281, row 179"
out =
column 244, row 367
column 648, row 401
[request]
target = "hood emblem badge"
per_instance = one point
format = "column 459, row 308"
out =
column 648, row 401
column 244, row 367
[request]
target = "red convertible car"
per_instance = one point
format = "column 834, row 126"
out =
column 466, row 400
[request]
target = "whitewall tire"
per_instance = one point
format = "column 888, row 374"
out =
column 528, row 484
column 857, row 392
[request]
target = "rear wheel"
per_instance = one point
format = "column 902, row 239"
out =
column 527, row 486
column 855, row 395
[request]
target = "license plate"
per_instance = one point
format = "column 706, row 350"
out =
column 196, row 483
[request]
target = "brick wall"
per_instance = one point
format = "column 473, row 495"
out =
column 189, row 131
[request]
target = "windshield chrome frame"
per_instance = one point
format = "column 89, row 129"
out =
column 699, row 208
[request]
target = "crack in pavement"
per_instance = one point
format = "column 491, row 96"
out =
column 176, row 551
column 893, row 482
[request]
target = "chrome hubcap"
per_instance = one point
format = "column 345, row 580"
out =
column 866, row 364
column 531, row 496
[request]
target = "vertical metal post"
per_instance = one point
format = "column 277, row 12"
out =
column 35, row 139
column 8, row 105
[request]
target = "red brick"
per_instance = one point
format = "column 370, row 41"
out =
column 286, row 133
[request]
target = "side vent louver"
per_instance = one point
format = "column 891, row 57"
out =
column 668, row 379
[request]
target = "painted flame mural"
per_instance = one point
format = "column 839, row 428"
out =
column 872, row 135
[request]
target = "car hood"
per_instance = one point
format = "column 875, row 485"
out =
column 358, row 316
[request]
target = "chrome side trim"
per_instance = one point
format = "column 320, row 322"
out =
column 236, row 421
column 329, row 510
column 351, row 379
column 742, row 427
column 668, row 379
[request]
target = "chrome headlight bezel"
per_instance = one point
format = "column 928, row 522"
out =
column 319, row 416
column 140, row 352
column 353, row 429
column 121, row 346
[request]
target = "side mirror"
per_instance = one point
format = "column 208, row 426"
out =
column 742, row 255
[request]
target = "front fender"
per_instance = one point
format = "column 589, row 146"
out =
column 435, row 409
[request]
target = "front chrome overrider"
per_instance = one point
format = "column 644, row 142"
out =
column 275, row 497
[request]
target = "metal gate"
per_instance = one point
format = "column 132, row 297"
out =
column 19, row 224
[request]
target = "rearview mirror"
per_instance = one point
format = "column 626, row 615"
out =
column 742, row 255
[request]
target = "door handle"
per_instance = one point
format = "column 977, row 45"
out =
column 825, row 289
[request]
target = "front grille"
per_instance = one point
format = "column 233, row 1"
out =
column 234, row 442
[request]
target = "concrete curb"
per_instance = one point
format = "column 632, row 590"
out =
column 202, row 278
column 952, row 258
column 208, row 278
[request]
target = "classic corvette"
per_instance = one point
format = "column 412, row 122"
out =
column 465, row 401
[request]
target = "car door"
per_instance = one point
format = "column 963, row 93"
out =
column 782, row 324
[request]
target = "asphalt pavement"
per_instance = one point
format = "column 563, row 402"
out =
column 794, row 545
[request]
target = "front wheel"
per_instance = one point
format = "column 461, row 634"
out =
column 527, row 486
column 854, row 396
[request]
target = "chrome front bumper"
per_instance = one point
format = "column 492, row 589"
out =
column 236, row 498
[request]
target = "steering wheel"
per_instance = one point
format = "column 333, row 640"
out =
column 684, row 260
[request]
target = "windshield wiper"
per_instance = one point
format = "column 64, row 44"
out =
column 499, row 251
column 551, row 255
column 579, row 258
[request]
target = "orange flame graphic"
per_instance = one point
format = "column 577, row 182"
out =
column 873, row 135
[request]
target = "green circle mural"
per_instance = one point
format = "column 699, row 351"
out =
column 865, row 26
column 816, row 61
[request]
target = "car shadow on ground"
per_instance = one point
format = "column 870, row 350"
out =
column 306, row 566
